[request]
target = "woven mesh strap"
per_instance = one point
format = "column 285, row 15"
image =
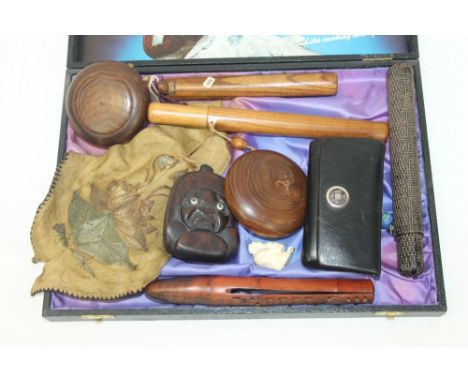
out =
column 405, row 170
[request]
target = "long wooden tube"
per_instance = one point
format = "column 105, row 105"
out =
column 264, row 122
column 266, row 85
column 260, row 291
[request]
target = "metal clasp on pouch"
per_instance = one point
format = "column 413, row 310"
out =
column 97, row 317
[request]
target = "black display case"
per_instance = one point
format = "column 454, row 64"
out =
column 77, row 60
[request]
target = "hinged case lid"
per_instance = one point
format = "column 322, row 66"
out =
column 180, row 53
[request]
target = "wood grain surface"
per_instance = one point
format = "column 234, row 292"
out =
column 264, row 122
column 266, row 192
column 107, row 103
column 264, row 85
column 260, row 291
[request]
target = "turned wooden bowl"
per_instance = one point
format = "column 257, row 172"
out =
column 266, row 192
column 107, row 103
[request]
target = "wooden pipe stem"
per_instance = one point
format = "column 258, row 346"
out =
column 266, row 85
column 264, row 122
column 259, row 291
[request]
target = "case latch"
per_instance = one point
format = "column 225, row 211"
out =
column 389, row 315
column 97, row 317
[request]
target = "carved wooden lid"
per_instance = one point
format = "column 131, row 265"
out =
column 266, row 192
column 107, row 103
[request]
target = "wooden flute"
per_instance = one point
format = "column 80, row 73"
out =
column 260, row 291
column 264, row 122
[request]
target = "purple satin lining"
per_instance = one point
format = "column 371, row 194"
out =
column 362, row 94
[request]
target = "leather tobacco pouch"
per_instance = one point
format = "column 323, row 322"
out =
column 344, row 205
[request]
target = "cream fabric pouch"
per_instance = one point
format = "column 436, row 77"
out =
column 99, row 229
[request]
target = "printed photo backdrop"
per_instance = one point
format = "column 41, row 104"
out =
column 160, row 47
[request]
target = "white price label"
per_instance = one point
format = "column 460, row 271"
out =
column 208, row 83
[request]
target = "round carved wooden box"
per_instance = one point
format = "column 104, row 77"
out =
column 266, row 192
column 107, row 103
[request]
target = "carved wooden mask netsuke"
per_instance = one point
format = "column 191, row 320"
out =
column 204, row 210
column 198, row 225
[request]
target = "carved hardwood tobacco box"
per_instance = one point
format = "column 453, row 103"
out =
column 267, row 193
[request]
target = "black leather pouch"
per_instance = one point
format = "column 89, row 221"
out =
column 198, row 226
column 344, row 206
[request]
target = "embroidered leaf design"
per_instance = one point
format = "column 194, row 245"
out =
column 81, row 259
column 98, row 198
column 60, row 229
column 134, row 237
column 94, row 233
column 148, row 228
column 165, row 162
column 121, row 195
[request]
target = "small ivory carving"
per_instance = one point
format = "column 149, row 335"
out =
column 270, row 254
